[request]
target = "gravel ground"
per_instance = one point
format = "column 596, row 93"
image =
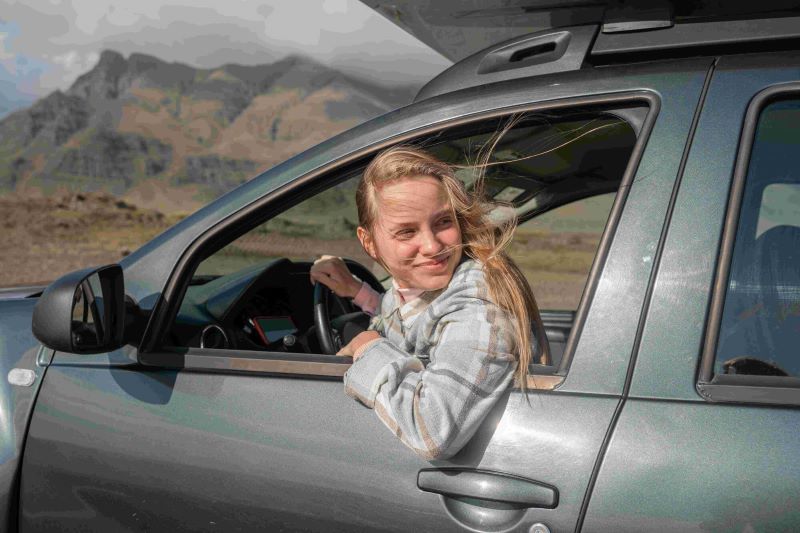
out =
column 43, row 238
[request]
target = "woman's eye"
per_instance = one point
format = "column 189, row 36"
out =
column 445, row 222
column 404, row 234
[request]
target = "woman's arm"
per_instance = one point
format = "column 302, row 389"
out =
column 436, row 410
column 332, row 272
column 368, row 299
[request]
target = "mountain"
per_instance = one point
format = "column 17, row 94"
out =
column 152, row 130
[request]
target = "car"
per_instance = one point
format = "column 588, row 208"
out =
column 652, row 161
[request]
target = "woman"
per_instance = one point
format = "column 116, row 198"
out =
column 458, row 302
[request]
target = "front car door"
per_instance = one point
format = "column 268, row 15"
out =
column 707, row 438
column 247, row 441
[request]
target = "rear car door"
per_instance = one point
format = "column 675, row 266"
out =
column 707, row 439
column 232, row 441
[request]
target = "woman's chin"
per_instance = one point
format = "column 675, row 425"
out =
column 431, row 281
column 434, row 284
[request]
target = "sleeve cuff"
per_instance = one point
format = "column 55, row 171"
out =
column 361, row 349
column 367, row 299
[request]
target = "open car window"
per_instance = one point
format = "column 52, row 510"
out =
column 560, row 172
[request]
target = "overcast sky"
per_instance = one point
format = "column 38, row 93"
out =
column 46, row 44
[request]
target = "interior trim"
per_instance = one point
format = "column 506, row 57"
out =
column 224, row 360
column 542, row 382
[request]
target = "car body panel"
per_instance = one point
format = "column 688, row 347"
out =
column 18, row 350
column 199, row 452
column 699, row 465
column 621, row 290
column 674, row 333
column 690, row 466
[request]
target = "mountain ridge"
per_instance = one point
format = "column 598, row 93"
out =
column 129, row 121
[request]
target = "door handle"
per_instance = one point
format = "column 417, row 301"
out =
column 486, row 485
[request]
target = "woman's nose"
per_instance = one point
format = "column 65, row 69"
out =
column 431, row 245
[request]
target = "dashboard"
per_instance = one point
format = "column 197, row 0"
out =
column 266, row 307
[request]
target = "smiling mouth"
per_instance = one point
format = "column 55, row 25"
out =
column 436, row 263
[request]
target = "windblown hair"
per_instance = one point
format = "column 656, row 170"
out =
column 484, row 238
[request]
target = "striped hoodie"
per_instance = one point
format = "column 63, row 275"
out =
column 443, row 361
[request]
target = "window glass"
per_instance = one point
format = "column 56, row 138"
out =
column 760, row 329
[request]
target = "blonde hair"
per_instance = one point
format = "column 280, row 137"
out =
column 483, row 238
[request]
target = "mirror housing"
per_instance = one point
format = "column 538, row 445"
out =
column 82, row 312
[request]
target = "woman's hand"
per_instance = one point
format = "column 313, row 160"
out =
column 332, row 272
column 358, row 341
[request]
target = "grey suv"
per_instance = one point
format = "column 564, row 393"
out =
column 192, row 388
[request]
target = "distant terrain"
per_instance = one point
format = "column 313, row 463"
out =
column 143, row 129
column 159, row 139
column 90, row 174
column 42, row 238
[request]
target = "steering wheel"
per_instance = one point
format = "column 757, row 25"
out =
column 330, row 340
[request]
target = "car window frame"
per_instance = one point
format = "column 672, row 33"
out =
column 741, row 388
column 152, row 351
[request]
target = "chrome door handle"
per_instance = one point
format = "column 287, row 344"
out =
column 486, row 485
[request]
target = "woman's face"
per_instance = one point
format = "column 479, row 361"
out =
column 415, row 234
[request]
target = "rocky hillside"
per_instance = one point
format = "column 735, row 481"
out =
column 171, row 136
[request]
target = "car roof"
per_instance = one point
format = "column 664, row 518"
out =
column 459, row 28
column 499, row 40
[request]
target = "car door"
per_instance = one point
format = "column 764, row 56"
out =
column 707, row 438
column 133, row 440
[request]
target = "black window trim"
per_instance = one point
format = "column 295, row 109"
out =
column 152, row 351
column 741, row 388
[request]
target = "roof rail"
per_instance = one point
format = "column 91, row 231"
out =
column 543, row 52
column 699, row 34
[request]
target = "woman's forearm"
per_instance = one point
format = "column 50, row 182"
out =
column 368, row 299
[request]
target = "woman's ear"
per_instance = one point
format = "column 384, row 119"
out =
column 366, row 242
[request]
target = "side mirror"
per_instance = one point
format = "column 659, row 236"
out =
column 82, row 312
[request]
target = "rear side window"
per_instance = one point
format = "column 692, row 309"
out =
column 759, row 332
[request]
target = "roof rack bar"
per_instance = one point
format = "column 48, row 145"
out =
column 697, row 34
column 637, row 16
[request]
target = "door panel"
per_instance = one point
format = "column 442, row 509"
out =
column 677, row 466
column 677, row 461
column 206, row 452
column 674, row 331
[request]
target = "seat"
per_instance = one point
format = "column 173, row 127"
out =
column 761, row 322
